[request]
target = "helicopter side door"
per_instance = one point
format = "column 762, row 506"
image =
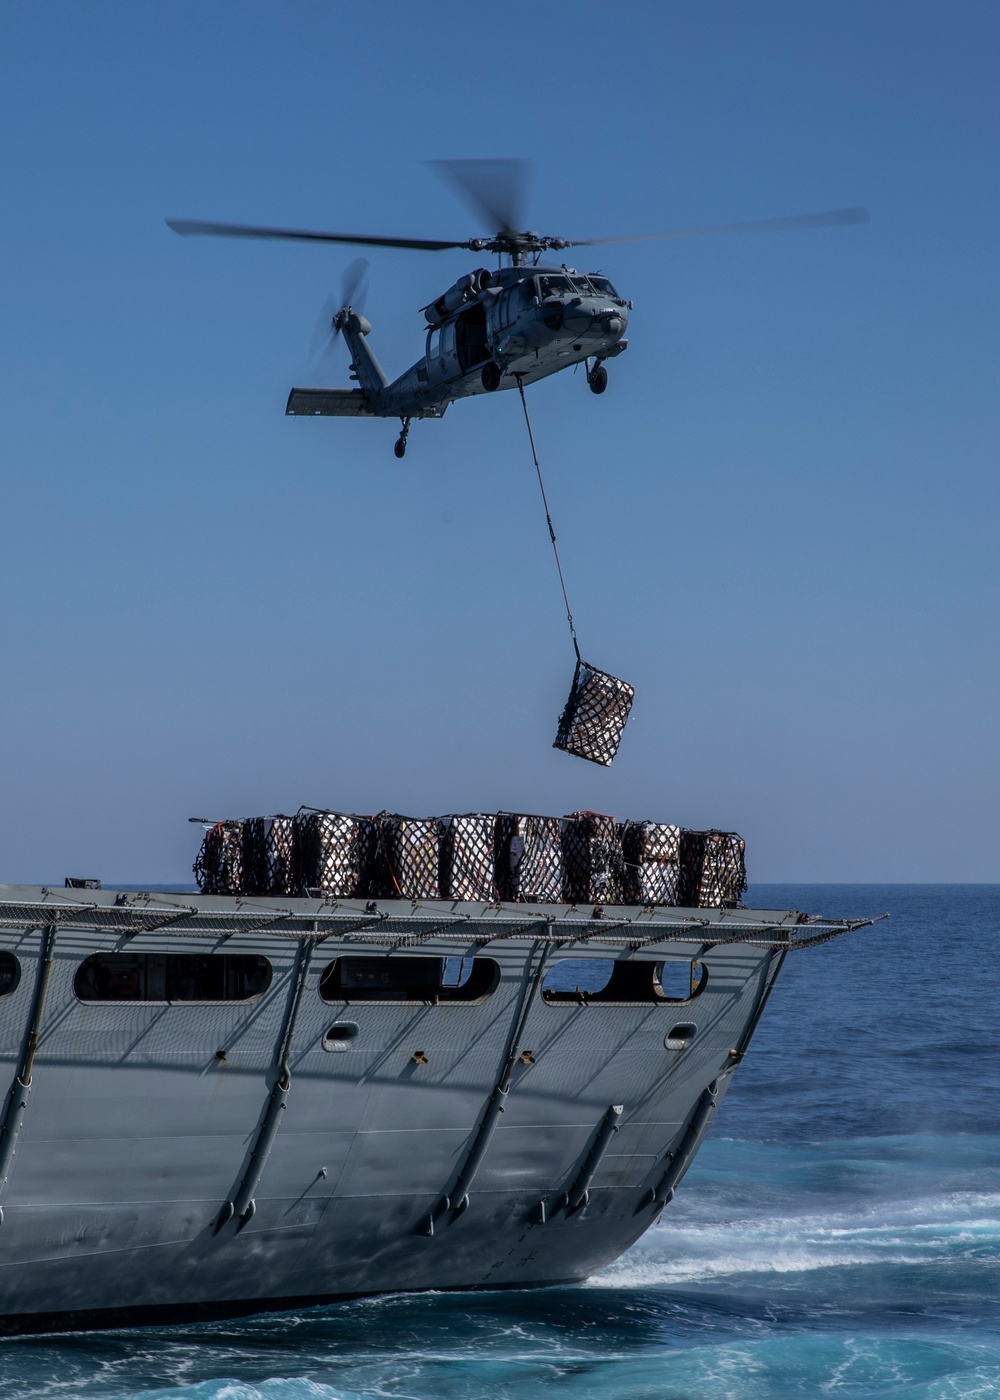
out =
column 447, row 352
column 442, row 357
column 471, row 339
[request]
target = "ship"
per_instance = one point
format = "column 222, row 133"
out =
column 224, row 1103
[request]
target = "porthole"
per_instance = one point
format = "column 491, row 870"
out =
column 10, row 973
column 340, row 1035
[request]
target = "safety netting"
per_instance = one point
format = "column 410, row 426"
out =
column 593, row 722
column 583, row 858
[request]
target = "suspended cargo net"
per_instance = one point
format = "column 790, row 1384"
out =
column 529, row 859
column 595, row 865
column 468, row 857
column 596, row 713
column 583, row 858
column 713, row 869
column 652, row 852
column 268, row 855
column 218, row 866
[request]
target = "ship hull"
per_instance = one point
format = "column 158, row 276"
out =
column 171, row 1161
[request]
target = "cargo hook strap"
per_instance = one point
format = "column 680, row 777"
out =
column 548, row 517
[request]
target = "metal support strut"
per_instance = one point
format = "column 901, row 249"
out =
column 548, row 517
column 457, row 1200
column 679, row 1160
column 242, row 1205
column 17, row 1096
column 579, row 1193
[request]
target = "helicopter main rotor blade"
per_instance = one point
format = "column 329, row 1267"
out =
column 187, row 227
column 826, row 219
column 495, row 189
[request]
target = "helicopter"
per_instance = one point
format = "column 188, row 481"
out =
column 491, row 329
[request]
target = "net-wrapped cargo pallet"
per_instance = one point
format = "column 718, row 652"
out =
column 468, row 857
column 333, row 852
column 218, row 867
column 652, row 853
column 595, row 865
column 408, row 858
column 593, row 722
column 713, row 869
column 268, row 855
column 584, row 858
column 529, row 859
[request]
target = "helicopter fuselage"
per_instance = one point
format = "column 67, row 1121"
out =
column 489, row 331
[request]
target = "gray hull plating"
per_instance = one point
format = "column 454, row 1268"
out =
column 207, row 1158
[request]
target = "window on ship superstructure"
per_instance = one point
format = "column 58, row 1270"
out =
column 10, row 973
column 587, row 981
column 172, row 977
column 409, row 979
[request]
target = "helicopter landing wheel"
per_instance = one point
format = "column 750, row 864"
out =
column 399, row 446
column 491, row 376
column 598, row 379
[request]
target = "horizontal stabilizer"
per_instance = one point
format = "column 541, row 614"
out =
column 328, row 403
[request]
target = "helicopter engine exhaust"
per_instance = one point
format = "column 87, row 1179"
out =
column 467, row 288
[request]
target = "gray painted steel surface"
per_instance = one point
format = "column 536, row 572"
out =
column 180, row 1159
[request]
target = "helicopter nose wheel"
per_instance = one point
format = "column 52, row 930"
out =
column 597, row 378
column 399, row 447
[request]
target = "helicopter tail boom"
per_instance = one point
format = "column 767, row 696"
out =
column 366, row 401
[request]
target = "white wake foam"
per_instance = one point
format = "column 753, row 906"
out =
column 918, row 1232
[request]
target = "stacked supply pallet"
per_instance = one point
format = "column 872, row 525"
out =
column 584, row 858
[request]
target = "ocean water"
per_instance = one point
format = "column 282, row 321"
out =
column 839, row 1234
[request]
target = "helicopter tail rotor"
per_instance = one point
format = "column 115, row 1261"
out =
column 353, row 292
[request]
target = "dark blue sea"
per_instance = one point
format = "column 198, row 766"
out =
column 838, row 1236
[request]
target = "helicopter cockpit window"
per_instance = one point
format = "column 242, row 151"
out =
column 527, row 289
column 604, row 287
column 581, row 284
column 554, row 286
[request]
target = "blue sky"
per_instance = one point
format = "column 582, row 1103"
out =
column 779, row 523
